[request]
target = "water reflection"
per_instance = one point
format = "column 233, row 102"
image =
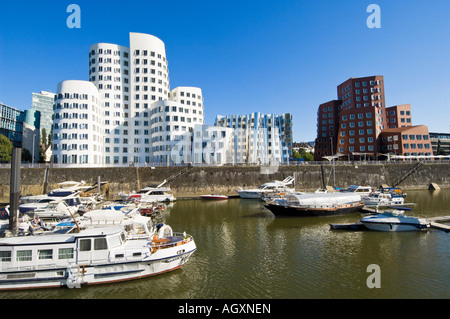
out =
column 243, row 251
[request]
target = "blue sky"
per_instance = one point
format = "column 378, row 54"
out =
column 246, row 56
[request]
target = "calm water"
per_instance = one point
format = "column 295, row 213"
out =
column 245, row 252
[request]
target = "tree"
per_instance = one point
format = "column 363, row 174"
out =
column 44, row 137
column 26, row 155
column 302, row 153
column 5, row 149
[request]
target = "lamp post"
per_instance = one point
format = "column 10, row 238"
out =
column 32, row 154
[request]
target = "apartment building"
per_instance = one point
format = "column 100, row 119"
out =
column 399, row 116
column 43, row 102
column 129, row 114
column 407, row 141
column 261, row 139
column 351, row 124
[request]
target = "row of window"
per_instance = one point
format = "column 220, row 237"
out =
column 27, row 255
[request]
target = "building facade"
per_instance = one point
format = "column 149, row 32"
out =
column 262, row 139
column 11, row 124
column 406, row 141
column 440, row 142
column 399, row 116
column 132, row 115
column 43, row 102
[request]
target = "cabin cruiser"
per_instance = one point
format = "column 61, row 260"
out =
column 268, row 189
column 150, row 194
column 315, row 204
column 363, row 191
column 95, row 255
column 392, row 221
column 380, row 198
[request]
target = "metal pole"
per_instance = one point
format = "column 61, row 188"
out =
column 14, row 189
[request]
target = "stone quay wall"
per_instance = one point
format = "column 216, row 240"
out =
column 196, row 181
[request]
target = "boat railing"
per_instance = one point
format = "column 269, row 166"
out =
column 176, row 240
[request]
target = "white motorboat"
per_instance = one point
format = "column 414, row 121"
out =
column 267, row 189
column 214, row 197
column 361, row 190
column 392, row 221
column 92, row 256
column 379, row 198
column 53, row 205
column 150, row 194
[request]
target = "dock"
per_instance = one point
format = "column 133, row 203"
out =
column 436, row 222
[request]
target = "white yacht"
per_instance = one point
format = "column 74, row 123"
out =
column 150, row 194
column 361, row 190
column 268, row 189
column 92, row 256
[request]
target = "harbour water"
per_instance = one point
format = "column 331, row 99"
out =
column 244, row 252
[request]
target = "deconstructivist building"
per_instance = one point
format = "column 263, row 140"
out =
column 261, row 139
column 127, row 114
column 358, row 124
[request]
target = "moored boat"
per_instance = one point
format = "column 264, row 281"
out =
column 214, row 197
column 379, row 198
column 393, row 221
column 315, row 204
column 91, row 256
column 361, row 190
column 268, row 188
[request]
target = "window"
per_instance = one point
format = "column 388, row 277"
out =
column 100, row 244
column 85, row 244
column 23, row 255
column 45, row 254
column 5, row 256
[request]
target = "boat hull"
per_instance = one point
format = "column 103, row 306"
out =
column 292, row 211
column 214, row 197
column 393, row 226
column 75, row 276
column 249, row 195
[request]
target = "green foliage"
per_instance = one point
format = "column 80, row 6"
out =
column 302, row 153
column 5, row 149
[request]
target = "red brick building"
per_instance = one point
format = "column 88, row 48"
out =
column 358, row 124
column 408, row 140
column 359, row 115
column 399, row 116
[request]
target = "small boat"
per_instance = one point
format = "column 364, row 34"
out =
column 315, row 204
column 380, row 198
column 267, row 188
column 92, row 256
column 214, row 197
column 150, row 194
column 392, row 221
column 361, row 190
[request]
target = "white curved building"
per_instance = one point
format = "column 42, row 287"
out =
column 173, row 122
column 139, row 117
column 78, row 134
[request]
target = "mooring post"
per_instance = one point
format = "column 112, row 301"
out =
column 14, row 191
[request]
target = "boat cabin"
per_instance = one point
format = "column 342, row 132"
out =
column 90, row 246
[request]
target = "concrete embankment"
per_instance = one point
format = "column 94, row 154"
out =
column 195, row 181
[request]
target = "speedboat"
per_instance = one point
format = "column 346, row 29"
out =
column 267, row 189
column 214, row 197
column 315, row 204
column 392, row 221
column 96, row 255
column 361, row 190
